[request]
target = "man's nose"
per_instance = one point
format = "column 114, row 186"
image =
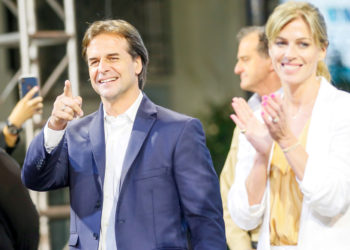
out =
column 238, row 68
column 103, row 66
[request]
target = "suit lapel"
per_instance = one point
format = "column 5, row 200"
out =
column 144, row 120
column 98, row 144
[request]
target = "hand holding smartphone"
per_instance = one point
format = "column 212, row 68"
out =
column 28, row 106
column 26, row 84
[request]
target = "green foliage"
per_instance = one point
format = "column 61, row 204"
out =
column 218, row 128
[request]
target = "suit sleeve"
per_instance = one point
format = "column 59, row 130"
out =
column 326, row 183
column 237, row 238
column 44, row 171
column 245, row 216
column 199, row 189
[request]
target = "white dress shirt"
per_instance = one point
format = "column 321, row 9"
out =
column 117, row 135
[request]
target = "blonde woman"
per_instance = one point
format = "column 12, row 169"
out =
column 293, row 171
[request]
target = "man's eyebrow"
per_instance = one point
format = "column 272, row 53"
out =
column 92, row 58
column 111, row 54
column 243, row 57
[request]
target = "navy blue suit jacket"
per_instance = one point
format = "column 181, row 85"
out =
column 169, row 186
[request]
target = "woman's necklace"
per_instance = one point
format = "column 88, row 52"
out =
column 304, row 108
column 296, row 113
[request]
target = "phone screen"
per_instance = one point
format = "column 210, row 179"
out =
column 26, row 84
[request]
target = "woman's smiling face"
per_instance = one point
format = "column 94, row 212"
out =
column 294, row 53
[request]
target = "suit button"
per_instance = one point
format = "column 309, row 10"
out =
column 95, row 235
column 98, row 204
column 121, row 221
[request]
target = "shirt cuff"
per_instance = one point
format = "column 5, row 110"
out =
column 52, row 138
column 258, row 210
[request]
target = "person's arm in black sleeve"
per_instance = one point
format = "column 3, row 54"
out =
column 17, row 206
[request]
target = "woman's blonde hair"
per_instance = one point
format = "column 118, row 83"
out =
column 287, row 12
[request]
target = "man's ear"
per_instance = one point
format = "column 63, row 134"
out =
column 271, row 68
column 269, row 52
column 138, row 65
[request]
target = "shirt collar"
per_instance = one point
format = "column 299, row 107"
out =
column 255, row 100
column 130, row 113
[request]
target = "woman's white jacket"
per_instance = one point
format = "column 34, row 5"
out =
column 325, row 217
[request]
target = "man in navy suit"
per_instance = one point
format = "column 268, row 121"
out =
column 140, row 176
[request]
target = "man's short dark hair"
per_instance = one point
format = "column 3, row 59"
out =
column 262, row 48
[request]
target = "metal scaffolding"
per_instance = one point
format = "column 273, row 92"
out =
column 29, row 40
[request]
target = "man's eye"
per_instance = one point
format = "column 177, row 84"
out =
column 93, row 63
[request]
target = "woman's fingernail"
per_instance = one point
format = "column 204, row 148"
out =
column 265, row 97
column 264, row 103
column 272, row 95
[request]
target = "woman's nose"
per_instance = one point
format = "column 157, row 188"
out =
column 290, row 51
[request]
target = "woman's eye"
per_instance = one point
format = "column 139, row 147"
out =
column 280, row 43
column 304, row 45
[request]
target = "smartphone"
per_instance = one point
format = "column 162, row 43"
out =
column 26, row 84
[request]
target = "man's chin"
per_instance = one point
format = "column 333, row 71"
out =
column 244, row 87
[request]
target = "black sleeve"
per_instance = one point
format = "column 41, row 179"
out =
column 4, row 146
column 17, row 206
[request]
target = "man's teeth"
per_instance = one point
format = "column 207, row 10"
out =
column 108, row 80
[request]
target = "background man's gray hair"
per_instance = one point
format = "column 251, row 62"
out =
column 262, row 47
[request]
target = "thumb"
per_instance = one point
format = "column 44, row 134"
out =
column 67, row 91
column 31, row 93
